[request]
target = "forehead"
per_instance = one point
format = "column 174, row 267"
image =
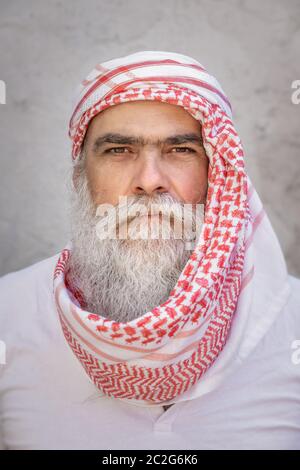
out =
column 145, row 115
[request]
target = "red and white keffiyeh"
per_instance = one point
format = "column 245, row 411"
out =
column 225, row 290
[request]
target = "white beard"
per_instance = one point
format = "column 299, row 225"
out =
column 123, row 279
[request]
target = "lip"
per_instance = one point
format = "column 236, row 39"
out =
column 152, row 216
column 164, row 217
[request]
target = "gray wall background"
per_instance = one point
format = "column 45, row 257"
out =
column 46, row 48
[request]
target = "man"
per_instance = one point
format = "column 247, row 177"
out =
column 154, row 329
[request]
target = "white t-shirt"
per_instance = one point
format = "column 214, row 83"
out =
column 47, row 401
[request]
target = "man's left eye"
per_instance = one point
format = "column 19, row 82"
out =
column 182, row 149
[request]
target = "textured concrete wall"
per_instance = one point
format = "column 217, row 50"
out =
column 46, row 48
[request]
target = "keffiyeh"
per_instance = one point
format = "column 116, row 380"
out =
column 179, row 350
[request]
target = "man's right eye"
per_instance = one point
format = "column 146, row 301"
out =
column 119, row 150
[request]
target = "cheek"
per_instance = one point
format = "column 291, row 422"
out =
column 192, row 184
column 104, row 184
column 98, row 184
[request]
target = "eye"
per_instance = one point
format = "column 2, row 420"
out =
column 119, row 150
column 183, row 148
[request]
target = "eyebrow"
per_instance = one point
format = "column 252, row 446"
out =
column 116, row 138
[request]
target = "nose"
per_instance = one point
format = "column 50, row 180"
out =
column 150, row 176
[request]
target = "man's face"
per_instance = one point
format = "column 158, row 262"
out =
column 144, row 148
column 149, row 152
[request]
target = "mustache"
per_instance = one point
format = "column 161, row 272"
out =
column 182, row 216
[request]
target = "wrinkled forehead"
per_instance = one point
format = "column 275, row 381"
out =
column 148, row 122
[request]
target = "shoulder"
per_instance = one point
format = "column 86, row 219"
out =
column 293, row 304
column 23, row 277
column 284, row 336
column 295, row 285
column 20, row 289
column 288, row 321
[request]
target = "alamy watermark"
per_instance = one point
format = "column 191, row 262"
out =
column 2, row 353
column 296, row 354
column 2, row 92
column 138, row 221
column 295, row 97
